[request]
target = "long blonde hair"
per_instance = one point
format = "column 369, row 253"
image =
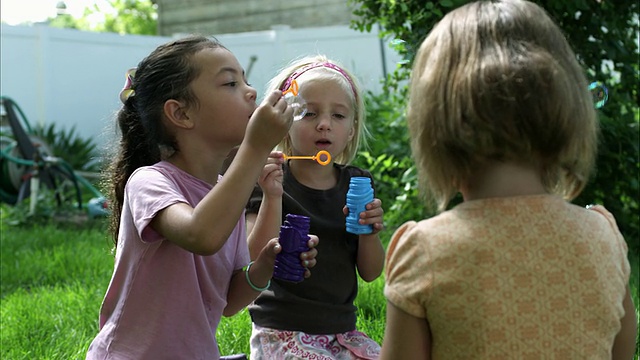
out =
column 498, row 81
column 321, row 67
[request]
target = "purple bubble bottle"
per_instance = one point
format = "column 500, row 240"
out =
column 293, row 240
column 359, row 195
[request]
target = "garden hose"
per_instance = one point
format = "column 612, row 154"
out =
column 8, row 172
column 21, row 153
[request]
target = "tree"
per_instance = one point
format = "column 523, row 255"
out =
column 138, row 17
column 605, row 39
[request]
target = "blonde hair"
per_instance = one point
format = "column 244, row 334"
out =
column 320, row 67
column 498, row 81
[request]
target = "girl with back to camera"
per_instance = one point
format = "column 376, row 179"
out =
column 178, row 226
column 500, row 111
column 316, row 318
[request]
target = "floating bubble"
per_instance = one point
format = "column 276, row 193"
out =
column 600, row 93
column 397, row 42
column 400, row 46
column 298, row 105
column 296, row 101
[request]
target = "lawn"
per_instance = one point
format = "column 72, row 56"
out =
column 53, row 278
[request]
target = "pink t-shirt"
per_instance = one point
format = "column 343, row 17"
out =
column 164, row 302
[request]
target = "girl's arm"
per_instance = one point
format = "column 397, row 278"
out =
column 263, row 226
column 624, row 345
column 405, row 336
column 205, row 228
column 241, row 293
column 266, row 224
column 370, row 260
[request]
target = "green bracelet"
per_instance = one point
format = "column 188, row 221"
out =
column 246, row 273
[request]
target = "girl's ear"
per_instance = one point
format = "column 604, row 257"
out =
column 352, row 132
column 176, row 113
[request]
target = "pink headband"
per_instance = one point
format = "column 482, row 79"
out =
column 306, row 68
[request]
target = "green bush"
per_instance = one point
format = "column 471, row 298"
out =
column 389, row 160
column 604, row 36
column 65, row 153
column 81, row 154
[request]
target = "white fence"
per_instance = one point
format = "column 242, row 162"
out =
column 73, row 78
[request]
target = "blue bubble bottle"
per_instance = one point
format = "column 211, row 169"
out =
column 359, row 195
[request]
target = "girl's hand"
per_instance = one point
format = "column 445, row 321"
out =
column 270, row 122
column 270, row 180
column 262, row 269
column 308, row 258
column 372, row 215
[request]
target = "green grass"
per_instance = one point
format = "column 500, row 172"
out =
column 52, row 283
column 53, row 279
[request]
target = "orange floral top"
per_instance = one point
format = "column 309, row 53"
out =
column 528, row 277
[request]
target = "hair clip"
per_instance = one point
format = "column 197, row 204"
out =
column 128, row 89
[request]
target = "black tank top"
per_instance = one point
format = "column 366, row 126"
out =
column 323, row 303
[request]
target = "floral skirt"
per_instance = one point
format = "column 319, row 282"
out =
column 272, row 344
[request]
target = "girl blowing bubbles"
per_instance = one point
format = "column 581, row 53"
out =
column 500, row 111
column 316, row 318
column 179, row 228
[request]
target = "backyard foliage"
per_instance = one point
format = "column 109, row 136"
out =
column 79, row 153
column 53, row 275
column 64, row 153
column 128, row 17
column 604, row 36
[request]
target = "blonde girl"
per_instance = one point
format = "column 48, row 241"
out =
column 316, row 319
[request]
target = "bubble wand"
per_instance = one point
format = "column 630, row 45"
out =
column 317, row 157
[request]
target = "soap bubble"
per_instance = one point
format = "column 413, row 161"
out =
column 295, row 100
column 397, row 43
column 600, row 93
column 298, row 105
column 402, row 47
